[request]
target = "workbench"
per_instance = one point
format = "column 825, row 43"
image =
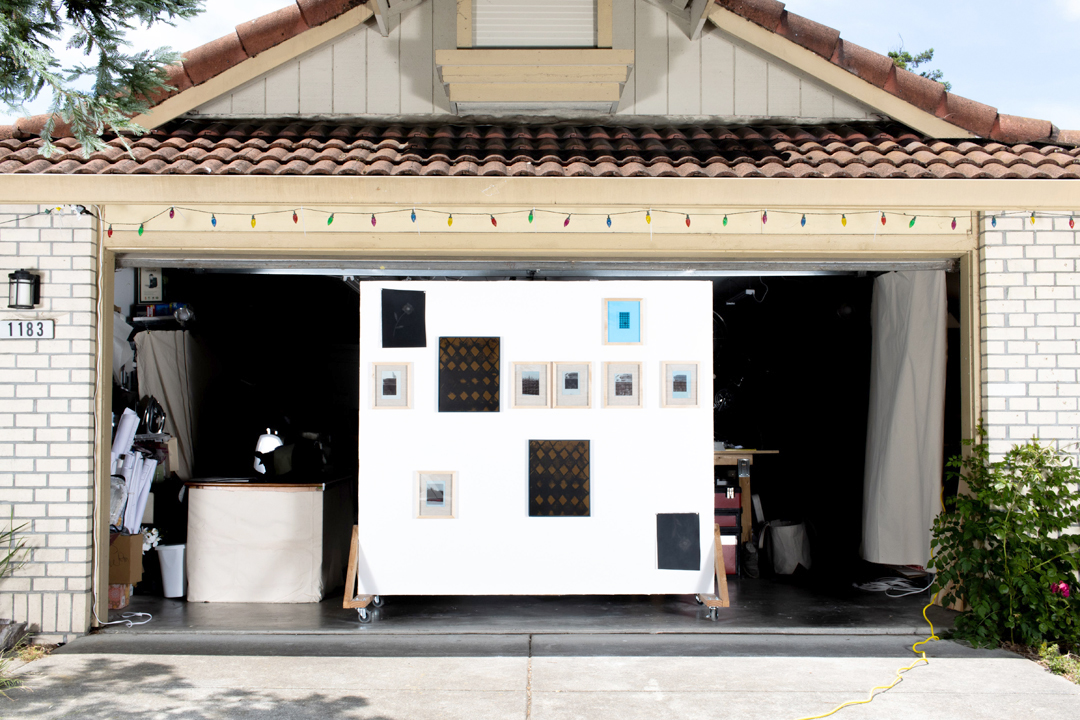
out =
column 732, row 458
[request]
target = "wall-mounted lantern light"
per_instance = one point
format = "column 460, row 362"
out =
column 24, row 290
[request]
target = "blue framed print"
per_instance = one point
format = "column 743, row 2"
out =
column 622, row 321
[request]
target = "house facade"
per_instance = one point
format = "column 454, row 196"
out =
column 683, row 137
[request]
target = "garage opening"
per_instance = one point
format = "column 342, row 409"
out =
column 791, row 361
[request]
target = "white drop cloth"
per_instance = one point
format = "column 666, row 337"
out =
column 904, row 442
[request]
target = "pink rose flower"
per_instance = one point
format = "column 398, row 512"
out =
column 1060, row 589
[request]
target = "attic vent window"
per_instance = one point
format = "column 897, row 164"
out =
column 529, row 23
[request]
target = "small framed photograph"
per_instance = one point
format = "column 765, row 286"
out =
column 622, row 321
column 436, row 494
column 572, row 385
column 622, row 385
column 532, row 385
column 391, row 385
column 151, row 285
column 679, row 383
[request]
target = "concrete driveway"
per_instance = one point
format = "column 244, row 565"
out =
column 537, row 677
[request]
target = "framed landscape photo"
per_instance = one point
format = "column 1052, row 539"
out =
column 679, row 384
column 572, row 385
column 436, row 494
column 391, row 385
column 532, row 385
column 622, row 385
column 623, row 321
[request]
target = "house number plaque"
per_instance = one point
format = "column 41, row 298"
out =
column 26, row 329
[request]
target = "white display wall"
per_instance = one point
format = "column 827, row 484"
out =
column 643, row 461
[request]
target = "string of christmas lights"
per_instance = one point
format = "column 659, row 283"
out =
column 647, row 214
column 493, row 217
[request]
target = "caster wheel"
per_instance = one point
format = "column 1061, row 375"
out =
column 366, row 615
column 377, row 601
column 714, row 614
column 697, row 599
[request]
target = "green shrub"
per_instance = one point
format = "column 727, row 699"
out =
column 1004, row 549
column 1067, row 666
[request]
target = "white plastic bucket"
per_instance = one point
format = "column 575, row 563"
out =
column 171, row 558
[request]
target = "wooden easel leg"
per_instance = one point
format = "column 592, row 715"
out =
column 721, row 569
column 351, row 599
column 715, row 602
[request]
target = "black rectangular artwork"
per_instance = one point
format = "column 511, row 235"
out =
column 468, row 374
column 558, row 478
column 403, row 323
column 678, row 541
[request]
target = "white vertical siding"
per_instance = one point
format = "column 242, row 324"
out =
column 317, row 82
column 417, row 60
column 363, row 73
column 384, row 71
column 350, row 69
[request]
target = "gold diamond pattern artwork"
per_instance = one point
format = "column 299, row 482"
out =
column 468, row 374
column 559, row 478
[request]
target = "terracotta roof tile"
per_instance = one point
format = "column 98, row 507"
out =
column 872, row 67
column 766, row 13
column 214, row 58
column 853, row 150
column 266, row 31
column 813, row 36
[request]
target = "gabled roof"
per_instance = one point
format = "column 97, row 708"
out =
column 251, row 38
column 879, row 70
column 862, row 150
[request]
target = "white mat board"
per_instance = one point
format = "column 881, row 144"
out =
column 643, row 461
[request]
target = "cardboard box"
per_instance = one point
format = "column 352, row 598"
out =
column 125, row 559
column 119, row 596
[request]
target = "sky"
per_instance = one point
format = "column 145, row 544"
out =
column 1021, row 61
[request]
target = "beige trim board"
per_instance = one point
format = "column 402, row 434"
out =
column 628, row 246
column 464, row 23
column 685, row 194
column 534, row 56
column 535, row 92
column 604, row 24
column 534, row 73
column 252, row 68
column 818, row 67
column 103, row 433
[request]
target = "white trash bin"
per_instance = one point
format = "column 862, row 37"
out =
column 171, row 558
column 790, row 546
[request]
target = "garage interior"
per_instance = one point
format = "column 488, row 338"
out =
column 791, row 355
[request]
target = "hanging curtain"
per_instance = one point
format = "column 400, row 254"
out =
column 170, row 369
column 904, row 439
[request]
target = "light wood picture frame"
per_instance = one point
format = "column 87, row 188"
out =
column 623, row 321
column 623, row 385
column 532, row 385
column 436, row 496
column 571, row 385
column 391, row 386
column 679, row 386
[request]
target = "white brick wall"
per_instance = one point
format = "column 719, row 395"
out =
column 47, row 421
column 1030, row 333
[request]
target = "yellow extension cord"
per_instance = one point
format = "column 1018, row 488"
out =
column 899, row 673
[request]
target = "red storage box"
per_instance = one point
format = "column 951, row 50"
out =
column 722, row 502
column 728, row 521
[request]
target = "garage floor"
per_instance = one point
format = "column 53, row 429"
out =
column 758, row 607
